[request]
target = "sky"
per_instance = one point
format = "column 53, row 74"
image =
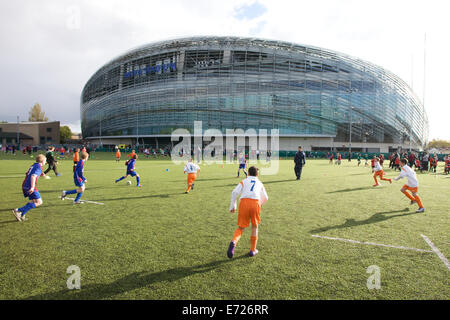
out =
column 50, row 48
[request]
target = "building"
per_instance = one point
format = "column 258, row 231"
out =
column 317, row 98
column 31, row 133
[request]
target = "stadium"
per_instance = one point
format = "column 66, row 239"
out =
column 317, row 98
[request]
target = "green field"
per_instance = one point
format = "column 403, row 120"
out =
column 156, row 242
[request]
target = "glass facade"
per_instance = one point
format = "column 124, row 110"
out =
column 231, row 83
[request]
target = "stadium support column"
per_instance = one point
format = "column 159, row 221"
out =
column 351, row 90
column 18, row 133
column 180, row 65
column 120, row 77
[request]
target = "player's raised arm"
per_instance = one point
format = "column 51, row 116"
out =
column 236, row 192
column 401, row 175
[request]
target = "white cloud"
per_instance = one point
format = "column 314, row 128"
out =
column 46, row 59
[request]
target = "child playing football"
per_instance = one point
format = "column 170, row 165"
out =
column 193, row 172
column 29, row 188
column 253, row 196
column 131, row 170
column 378, row 172
column 118, row 155
column 242, row 164
column 78, row 179
column 412, row 184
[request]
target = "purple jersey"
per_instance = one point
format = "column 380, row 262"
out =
column 35, row 169
column 131, row 164
column 78, row 173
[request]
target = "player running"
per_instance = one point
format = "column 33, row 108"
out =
column 118, row 155
column 193, row 172
column 412, row 184
column 131, row 171
column 29, row 188
column 78, row 179
column 242, row 164
column 359, row 159
column 378, row 172
column 253, row 196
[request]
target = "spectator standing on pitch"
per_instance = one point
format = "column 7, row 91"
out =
column 52, row 163
column 299, row 161
column 411, row 159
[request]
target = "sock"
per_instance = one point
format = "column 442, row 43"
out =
column 375, row 178
column 239, row 172
column 409, row 196
column 27, row 207
column 71, row 191
column 78, row 196
column 120, row 179
column 245, row 173
column 237, row 235
column 253, row 242
column 137, row 178
column 189, row 187
column 419, row 202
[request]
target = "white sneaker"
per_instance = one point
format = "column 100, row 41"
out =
column 63, row 195
column 17, row 214
column 78, row 202
column 420, row 210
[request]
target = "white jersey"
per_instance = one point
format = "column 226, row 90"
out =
column 409, row 173
column 250, row 188
column 377, row 166
column 242, row 160
column 191, row 168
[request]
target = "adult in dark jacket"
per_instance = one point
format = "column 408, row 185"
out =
column 299, row 161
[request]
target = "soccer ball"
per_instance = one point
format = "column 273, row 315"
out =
column 128, row 182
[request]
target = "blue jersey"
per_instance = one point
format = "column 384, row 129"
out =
column 35, row 169
column 78, row 173
column 131, row 164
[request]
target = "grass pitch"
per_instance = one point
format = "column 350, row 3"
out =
column 156, row 242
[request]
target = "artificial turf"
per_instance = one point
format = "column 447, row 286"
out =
column 156, row 242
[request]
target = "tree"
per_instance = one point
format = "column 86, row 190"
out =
column 65, row 134
column 438, row 144
column 36, row 113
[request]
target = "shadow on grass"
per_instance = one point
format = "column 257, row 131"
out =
column 131, row 282
column 352, row 189
column 377, row 217
column 9, row 221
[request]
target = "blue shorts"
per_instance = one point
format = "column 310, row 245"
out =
column 33, row 196
column 78, row 183
column 242, row 166
column 132, row 173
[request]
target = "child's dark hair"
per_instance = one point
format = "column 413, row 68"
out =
column 404, row 161
column 253, row 171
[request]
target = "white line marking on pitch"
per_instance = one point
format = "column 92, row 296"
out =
column 436, row 250
column 86, row 201
column 372, row 243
